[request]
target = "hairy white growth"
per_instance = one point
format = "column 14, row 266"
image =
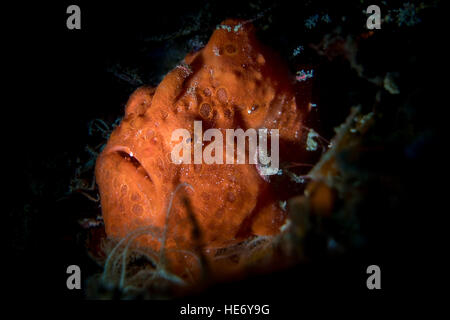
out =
column 156, row 258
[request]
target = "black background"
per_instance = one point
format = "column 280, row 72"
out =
column 56, row 83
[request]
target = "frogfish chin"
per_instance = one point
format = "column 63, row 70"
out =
column 233, row 82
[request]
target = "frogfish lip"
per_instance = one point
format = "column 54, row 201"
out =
column 128, row 192
column 131, row 156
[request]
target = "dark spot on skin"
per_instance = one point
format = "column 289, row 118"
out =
column 219, row 213
column 164, row 115
column 137, row 210
column 124, row 189
column 135, row 197
column 230, row 49
column 228, row 113
column 205, row 110
column 231, row 197
column 222, row 95
column 207, row 92
column 205, row 196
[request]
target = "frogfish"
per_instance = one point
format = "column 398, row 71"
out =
column 233, row 82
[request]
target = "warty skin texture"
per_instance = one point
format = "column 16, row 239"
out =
column 233, row 82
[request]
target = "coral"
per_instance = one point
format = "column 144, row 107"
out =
column 232, row 82
column 298, row 50
column 303, row 76
column 407, row 15
column 311, row 21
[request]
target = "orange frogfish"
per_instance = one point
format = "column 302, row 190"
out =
column 233, row 82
